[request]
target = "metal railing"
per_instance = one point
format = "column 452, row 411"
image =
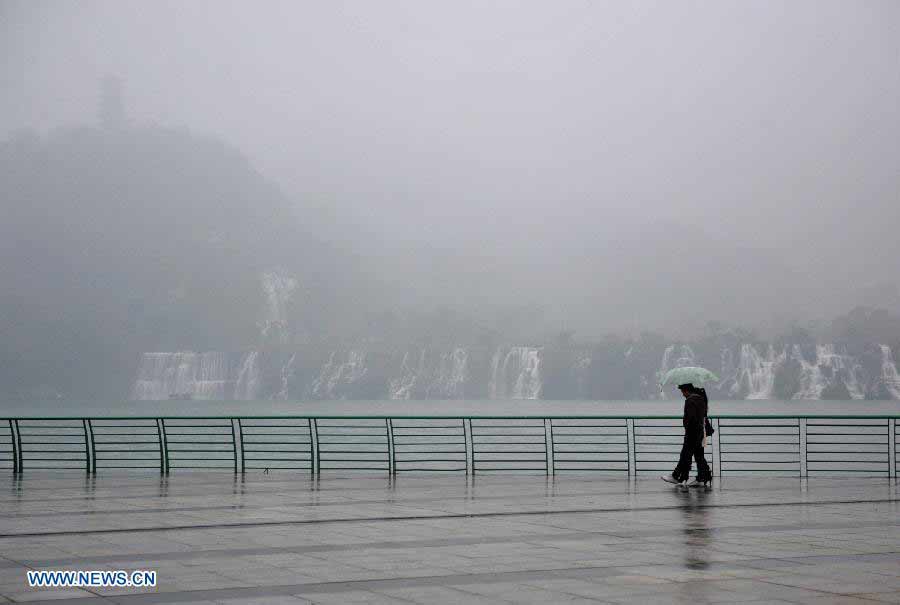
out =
column 799, row 446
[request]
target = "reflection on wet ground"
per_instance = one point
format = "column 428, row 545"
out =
column 218, row 537
column 695, row 526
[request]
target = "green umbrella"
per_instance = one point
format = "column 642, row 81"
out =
column 689, row 374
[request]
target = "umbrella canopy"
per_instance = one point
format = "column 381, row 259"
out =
column 690, row 374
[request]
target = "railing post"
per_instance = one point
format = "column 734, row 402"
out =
column 804, row 468
column 318, row 456
column 162, row 447
column 634, row 444
column 312, row 452
column 549, row 458
column 392, row 461
column 629, row 447
column 717, row 447
column 87, row 447
column 470, row 449
column 15, row 447
column 234, row 445
column 165, row 444
column 90, row 426
column 892, row 448
column 19, row 443
column 241, row 438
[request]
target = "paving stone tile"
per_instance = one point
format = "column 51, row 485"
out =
column 882, row 597
column 428, row 595
column 48, row 594
column 352, row 596
column 275, row 600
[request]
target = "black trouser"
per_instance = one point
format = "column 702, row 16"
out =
column 692, row 448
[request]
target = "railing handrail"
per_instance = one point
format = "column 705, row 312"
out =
column 460, row 417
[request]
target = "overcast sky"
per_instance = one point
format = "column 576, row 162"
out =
column 516, row 127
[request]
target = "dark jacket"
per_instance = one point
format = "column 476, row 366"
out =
column 695, row 408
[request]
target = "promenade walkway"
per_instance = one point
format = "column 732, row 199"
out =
column 284, row 538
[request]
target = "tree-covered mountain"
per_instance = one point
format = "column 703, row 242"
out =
column 118, row 240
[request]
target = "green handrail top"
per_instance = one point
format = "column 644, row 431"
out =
column 473, row 417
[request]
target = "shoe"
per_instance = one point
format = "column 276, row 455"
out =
column 696, row 483
column 671, row 479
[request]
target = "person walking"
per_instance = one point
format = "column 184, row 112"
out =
column 696, row 406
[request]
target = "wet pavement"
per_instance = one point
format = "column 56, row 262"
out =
column 286, row 538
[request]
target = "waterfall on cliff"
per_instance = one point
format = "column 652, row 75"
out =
column 278, row 288
column 684, row 357
column 402, row 386
column 830, row 370
column 727, row 369
column 429, row 374
column 246, row 386
column 748, row 371
column 755, row 374
column 184, row 374
column 453, row 373
column 516, row 373
column 338, row 373
column 287, row 374
column 890, row 378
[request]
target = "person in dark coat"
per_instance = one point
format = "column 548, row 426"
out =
column 696, row 406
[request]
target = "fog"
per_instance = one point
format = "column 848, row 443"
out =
column 619, row 166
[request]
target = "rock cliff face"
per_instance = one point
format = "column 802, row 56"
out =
column 747, row 371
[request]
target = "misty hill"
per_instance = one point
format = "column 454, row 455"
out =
column 122, row 240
